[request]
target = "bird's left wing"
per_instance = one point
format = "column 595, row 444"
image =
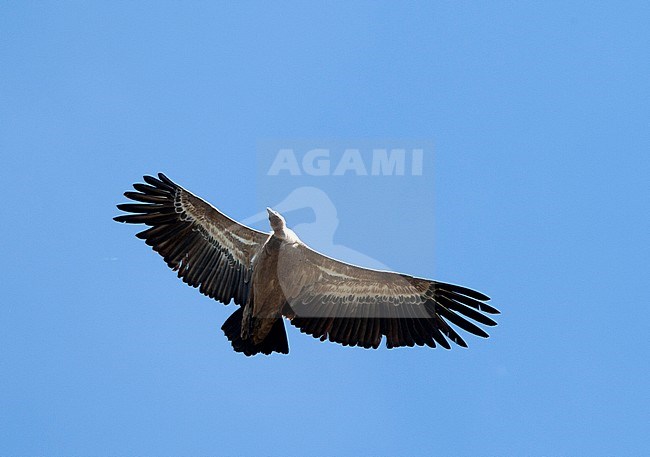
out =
column 356, row 306
column 207, row 248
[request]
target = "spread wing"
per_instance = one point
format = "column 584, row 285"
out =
column 356, row 306
column 208, row 249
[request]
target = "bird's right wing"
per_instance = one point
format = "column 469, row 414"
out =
column 207, row 248
column 355, row 306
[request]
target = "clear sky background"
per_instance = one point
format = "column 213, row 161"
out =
column 540, row 119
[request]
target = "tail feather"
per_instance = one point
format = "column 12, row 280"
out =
column 275, row 341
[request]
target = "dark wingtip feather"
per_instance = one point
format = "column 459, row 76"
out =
column 123, row 206
column 146, row 198
column 157, row 183
column 166, row 180
column 460, row 322
column 124, row 218
column 467, row 311
column 462, row 290
column 143, row 208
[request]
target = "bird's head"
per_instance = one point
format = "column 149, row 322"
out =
column 277, row 221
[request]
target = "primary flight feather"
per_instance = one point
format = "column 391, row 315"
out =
column 275, row 275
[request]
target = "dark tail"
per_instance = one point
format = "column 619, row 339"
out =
column 275, row 341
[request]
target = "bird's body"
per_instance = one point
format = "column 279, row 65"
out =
column 275, row 275
column 262, row 310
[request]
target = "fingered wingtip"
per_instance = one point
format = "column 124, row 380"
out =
column 165, row 179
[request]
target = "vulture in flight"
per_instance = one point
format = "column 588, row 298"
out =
column 275, row 275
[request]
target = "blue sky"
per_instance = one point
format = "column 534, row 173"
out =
column 535, row 191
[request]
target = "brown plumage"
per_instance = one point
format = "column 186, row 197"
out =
column 275, row 275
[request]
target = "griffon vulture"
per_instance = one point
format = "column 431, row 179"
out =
column 275, row 275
